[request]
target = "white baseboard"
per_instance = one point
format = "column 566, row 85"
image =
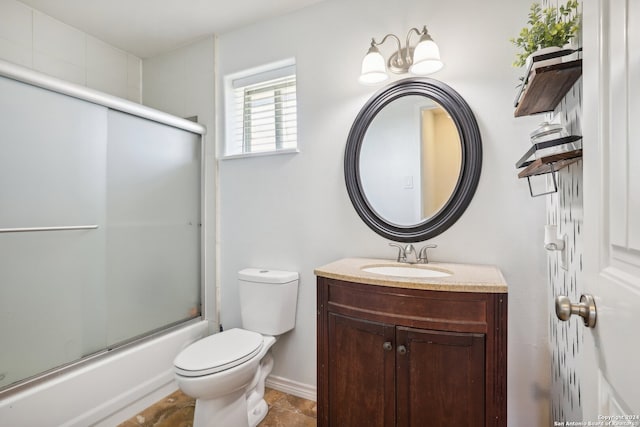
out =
column 295, row 388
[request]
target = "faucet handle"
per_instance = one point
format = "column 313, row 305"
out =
column 422, row 257
column 402, row 255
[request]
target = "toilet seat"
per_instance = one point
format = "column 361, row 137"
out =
column 218, row 352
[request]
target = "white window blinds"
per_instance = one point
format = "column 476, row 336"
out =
column 264, row 116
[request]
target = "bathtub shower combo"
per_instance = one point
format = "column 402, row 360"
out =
column 100, row 228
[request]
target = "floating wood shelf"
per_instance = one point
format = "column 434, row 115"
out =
column 525, row 159
column 546, row 87
column 551, row 163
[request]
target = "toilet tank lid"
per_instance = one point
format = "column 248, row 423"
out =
column 264, row 275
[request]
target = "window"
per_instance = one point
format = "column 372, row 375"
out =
column 262, row 111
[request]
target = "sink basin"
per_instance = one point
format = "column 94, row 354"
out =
column 413, row 271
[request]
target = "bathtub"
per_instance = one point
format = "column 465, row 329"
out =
column 106, row 391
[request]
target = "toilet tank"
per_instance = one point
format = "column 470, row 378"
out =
column 268, row 300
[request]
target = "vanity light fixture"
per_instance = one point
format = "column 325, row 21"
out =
column 423, row 59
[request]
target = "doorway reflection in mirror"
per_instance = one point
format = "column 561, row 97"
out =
column 410, row 160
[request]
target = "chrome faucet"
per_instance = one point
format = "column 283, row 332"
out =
column 404, row 253
column 410, row 254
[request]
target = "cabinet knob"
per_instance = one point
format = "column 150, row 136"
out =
column 402, row 350
column 387, row 346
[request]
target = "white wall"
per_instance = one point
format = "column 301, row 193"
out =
column 181, row 82
column 37, row 41
column 292, row 212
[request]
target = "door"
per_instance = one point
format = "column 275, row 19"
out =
column 52, row 182
column 441, row 378
column 610, row 371
column 361, row 373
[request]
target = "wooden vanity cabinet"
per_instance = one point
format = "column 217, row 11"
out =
column 391, row 356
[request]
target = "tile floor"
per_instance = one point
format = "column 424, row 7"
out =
column 176, row 410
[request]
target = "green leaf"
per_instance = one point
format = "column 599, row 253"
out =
column 547, row 27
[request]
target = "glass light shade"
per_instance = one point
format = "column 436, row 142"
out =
column 426, row 58
column 374, row 69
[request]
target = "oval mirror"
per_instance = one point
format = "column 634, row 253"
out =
column 413, row 159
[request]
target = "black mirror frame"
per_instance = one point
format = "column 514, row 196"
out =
column 471, row 166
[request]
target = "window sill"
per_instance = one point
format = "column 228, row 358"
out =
column 260, row 154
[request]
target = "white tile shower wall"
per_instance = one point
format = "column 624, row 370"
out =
column 16, row 33
column 40, row 42
column 564, row 209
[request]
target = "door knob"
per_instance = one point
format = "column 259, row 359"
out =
column 586, row 309
column 402, row 349
column 387, row 346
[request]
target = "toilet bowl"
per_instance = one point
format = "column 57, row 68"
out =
column 226, row 372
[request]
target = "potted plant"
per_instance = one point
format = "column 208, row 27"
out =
column 547, row 28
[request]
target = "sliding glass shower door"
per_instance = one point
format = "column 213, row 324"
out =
column 153, row 226
column 99, row 229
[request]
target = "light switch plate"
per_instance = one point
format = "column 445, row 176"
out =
column 408, row 182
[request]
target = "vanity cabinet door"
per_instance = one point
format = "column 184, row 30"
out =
column 440, row 378
column 361, row 372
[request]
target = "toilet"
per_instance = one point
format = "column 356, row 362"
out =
column 226, row 372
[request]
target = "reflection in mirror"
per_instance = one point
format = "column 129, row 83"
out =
column 413, row 159
column 410, row 160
